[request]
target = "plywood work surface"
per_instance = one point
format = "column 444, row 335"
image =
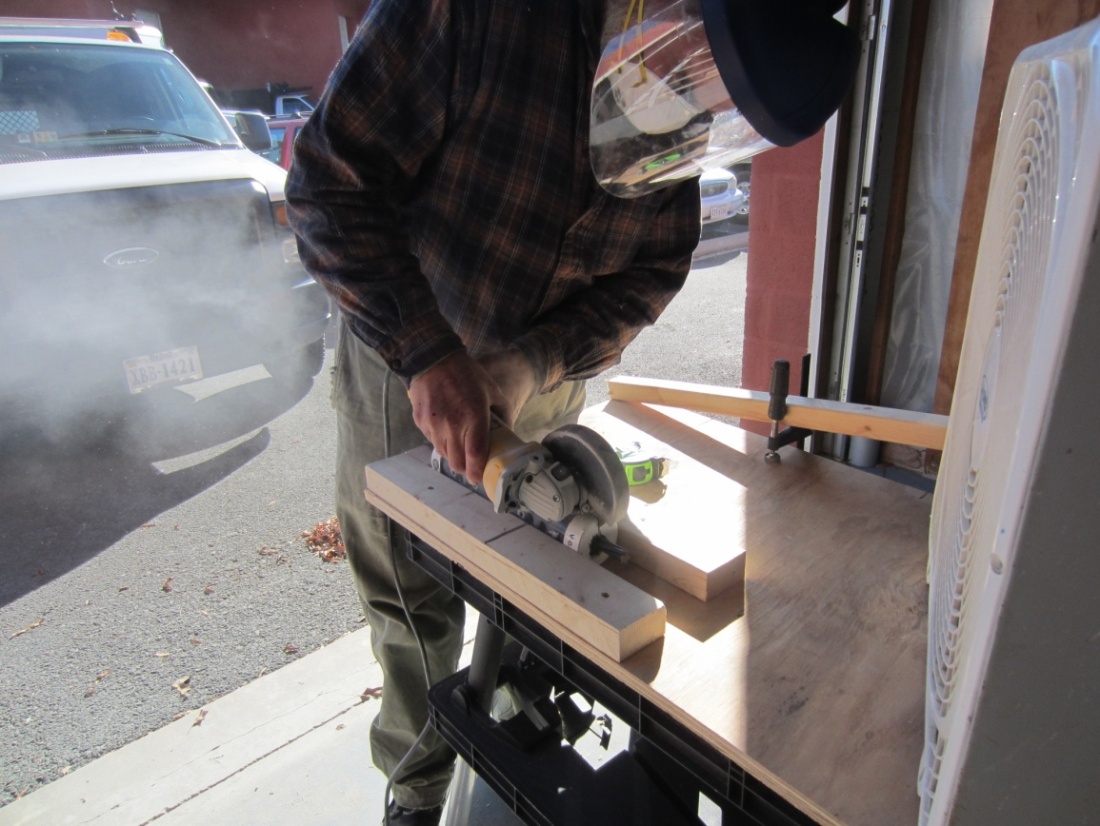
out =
column 815, row 683
column 811, row 676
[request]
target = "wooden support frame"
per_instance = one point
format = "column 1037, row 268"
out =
column 926, row 430
column 1015, row 25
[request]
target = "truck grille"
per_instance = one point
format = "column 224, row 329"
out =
column 136, row 271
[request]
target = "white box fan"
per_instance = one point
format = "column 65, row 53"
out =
column 1013, row 693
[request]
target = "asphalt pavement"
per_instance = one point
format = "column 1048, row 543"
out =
column 161, row 605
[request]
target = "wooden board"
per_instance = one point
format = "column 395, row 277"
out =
column 573, row 596
column 884, row 424
column 677, row 527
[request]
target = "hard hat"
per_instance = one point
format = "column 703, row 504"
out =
column 685, row 83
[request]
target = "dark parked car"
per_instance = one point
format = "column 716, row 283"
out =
column 143, row 244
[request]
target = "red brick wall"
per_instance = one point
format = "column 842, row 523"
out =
column 240, row 45
column 780, row 263
column 297, row 44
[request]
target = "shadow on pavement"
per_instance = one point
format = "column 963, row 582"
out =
column 68, row 494
column 714, row 250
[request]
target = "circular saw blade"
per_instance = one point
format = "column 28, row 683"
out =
column 596, row 463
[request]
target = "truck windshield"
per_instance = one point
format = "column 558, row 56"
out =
column 67, row 99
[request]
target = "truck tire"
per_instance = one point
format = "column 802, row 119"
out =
column 297, row 369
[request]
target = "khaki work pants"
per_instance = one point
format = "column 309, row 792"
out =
column 374, row 420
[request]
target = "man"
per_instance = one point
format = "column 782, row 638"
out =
column 443, row 192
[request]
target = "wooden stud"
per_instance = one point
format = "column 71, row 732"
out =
column 884, row 424
column 577, row 599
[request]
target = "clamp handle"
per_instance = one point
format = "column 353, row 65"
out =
column 777, row 410
column 781, row 382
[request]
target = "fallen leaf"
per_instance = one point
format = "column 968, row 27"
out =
column 204, row 613
column 123, row 587
column 167, row 586
column 341, row 727
column 183, row 685
column 291, row 648
column 262, row 672
column 266, row 551
column 39, row 572
column 149, row 525
column 30, row 627
column 196, row 641
column 200, row 718
column 326, row 541
column 180, row 716
column 208, row 590
column 371, row 694
column 102, row 675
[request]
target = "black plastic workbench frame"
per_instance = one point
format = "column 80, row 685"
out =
column 742, row 798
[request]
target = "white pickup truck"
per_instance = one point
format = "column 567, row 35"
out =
column 294, row 106
column 142, row 244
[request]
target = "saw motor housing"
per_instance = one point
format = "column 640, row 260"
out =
column 571, row 486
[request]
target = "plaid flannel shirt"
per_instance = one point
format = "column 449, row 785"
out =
column 442, row 194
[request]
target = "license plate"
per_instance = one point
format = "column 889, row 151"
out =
column 169, row 367
column 718, row 212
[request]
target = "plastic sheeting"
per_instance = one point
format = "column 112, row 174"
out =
column 946, row 107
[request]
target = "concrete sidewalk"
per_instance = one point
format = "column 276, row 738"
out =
column 288, row 748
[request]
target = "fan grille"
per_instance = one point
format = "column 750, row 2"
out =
column 1013, row 260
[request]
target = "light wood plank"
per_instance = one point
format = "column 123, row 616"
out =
column 676, row 527
column 575, row 597
column 884, row 424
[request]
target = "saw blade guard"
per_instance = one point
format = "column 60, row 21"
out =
column 595, row 462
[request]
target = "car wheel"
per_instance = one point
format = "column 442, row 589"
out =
column 743, row 183
column 297, row 368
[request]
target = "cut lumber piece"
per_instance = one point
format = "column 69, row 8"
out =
column 574, row 597
column 885, row 424
column 685, row 527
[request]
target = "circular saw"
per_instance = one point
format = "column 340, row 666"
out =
column 571, row 486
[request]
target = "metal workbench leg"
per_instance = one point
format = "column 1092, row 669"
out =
column 482, row 681
column 485, row 665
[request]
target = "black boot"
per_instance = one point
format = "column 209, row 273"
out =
column 400, row 816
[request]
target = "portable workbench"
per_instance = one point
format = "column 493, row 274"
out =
column 797, row 697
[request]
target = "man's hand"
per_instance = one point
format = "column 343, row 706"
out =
column 450, row 405
column 451, row 402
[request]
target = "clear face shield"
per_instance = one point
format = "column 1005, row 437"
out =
column 661, row 104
